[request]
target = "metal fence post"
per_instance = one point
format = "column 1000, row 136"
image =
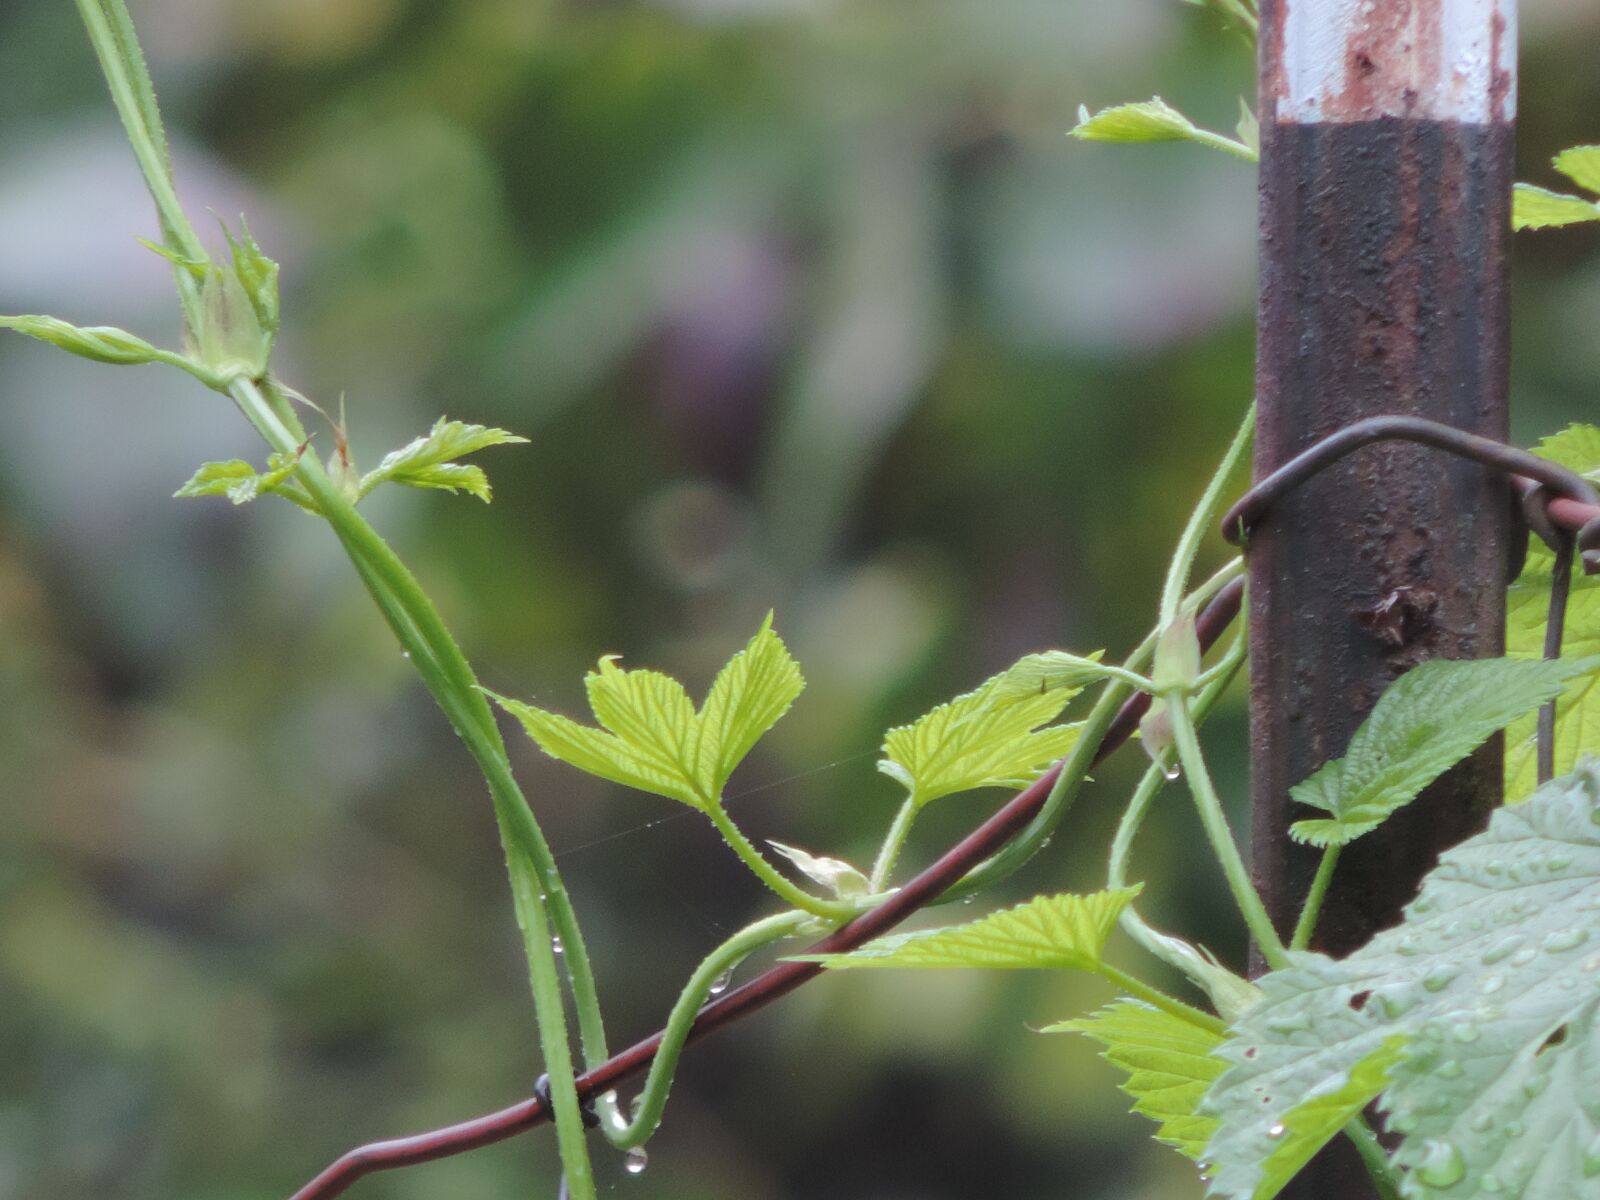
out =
column 1386, row 140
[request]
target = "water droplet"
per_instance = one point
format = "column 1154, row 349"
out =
column 1403, row 1121
column 1442, row 1164
column 1490, row 1183
column 1566, row 939
column 1465, row 1032
column 968, row 899
column 1172, row 770
column 1492, row 983
column 555, row 944
column 1558, row 864
column 635, row 1161
column 1502, row 949
column 405, row 654
column 720, row 983
column 1535, row 1084
column 1398, row 1002
column 1481, row 1121
column 1513, row 1128
column 1523, row 957
column 1448, row 1069
column 1591, row 1158
column 1276, row 1131
column 1440, row 977
column 1409, row 943
column 1592, row 963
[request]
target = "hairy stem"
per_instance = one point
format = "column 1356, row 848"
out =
column 1204, row 518
column 1307, row 924
column 1153, row 996
column 893, row 842
column 1218, row 834
column 652, row 1100
column 789, row 893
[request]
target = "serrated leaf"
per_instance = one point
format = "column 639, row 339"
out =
column 1428, row 720
column 1527, row 608
column 426, row 461
column 1064, row 931
column 838, row 876
column 1581, row 164
column 1493, row 979
column 749, row 696
column 1539, row 208
column 1169, row 1064
column 241, row 483
column 652, row 738
column 1035, row 674
column 1152, row 120
column 988, row 737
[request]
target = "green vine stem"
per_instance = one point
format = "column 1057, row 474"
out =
column 652, row 1099
column 1218, row 834
column 1075, row 768
column 790, row 893
column 893, row 842
column 1175, row 952
column 1204, row 518
column 1318, row 892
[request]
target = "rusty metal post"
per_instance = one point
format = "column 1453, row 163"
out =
column 1386, row 140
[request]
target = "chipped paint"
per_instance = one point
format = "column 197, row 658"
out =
column 1359, row 60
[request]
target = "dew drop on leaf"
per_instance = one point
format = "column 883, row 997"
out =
column 1449, row 1069
column 635, row 1161
column 1442, row 1164
column 1276, row 1131
column 1502, row 949
column 1440, row 977
column 1490, row 1183
column 1566, row 939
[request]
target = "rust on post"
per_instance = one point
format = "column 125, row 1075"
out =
column 1386, row 139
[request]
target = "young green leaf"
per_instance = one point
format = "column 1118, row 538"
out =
column 651, row 738
column 1152, row 120
column 1527, row 609
column 1492, row 982
column 1427, row 721
column 1169, row 1062
column 1539, row 208
column 989, row 737
column 427, row 462
column 748, row 697
column 1048, row 931
column 1581, row 164
column 241, row 483
column 1034, row 674
column 101, row 343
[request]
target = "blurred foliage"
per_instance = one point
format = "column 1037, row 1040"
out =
column 803, row 305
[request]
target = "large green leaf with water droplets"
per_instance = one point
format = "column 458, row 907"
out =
column 1527, row 609
column 651, row 737
column 1425, row 722
column 988, row 737
column 1492, row 980
column 1048, row 931
column 1169, row 1062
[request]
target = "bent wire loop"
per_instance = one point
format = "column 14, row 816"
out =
column 1554, row 502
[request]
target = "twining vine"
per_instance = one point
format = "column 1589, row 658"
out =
column 1471, row 1024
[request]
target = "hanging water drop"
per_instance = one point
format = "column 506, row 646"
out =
column 1171, row 770
column 405, row 654
column 635, row 1161
column 1442, row 1164
column 720, row 983
column 556, row 946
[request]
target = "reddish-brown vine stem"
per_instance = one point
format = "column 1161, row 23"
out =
column 773, row 983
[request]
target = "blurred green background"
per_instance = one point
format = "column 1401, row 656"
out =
column 804, row 304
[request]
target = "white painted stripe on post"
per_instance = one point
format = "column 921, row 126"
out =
column 1357, row 60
